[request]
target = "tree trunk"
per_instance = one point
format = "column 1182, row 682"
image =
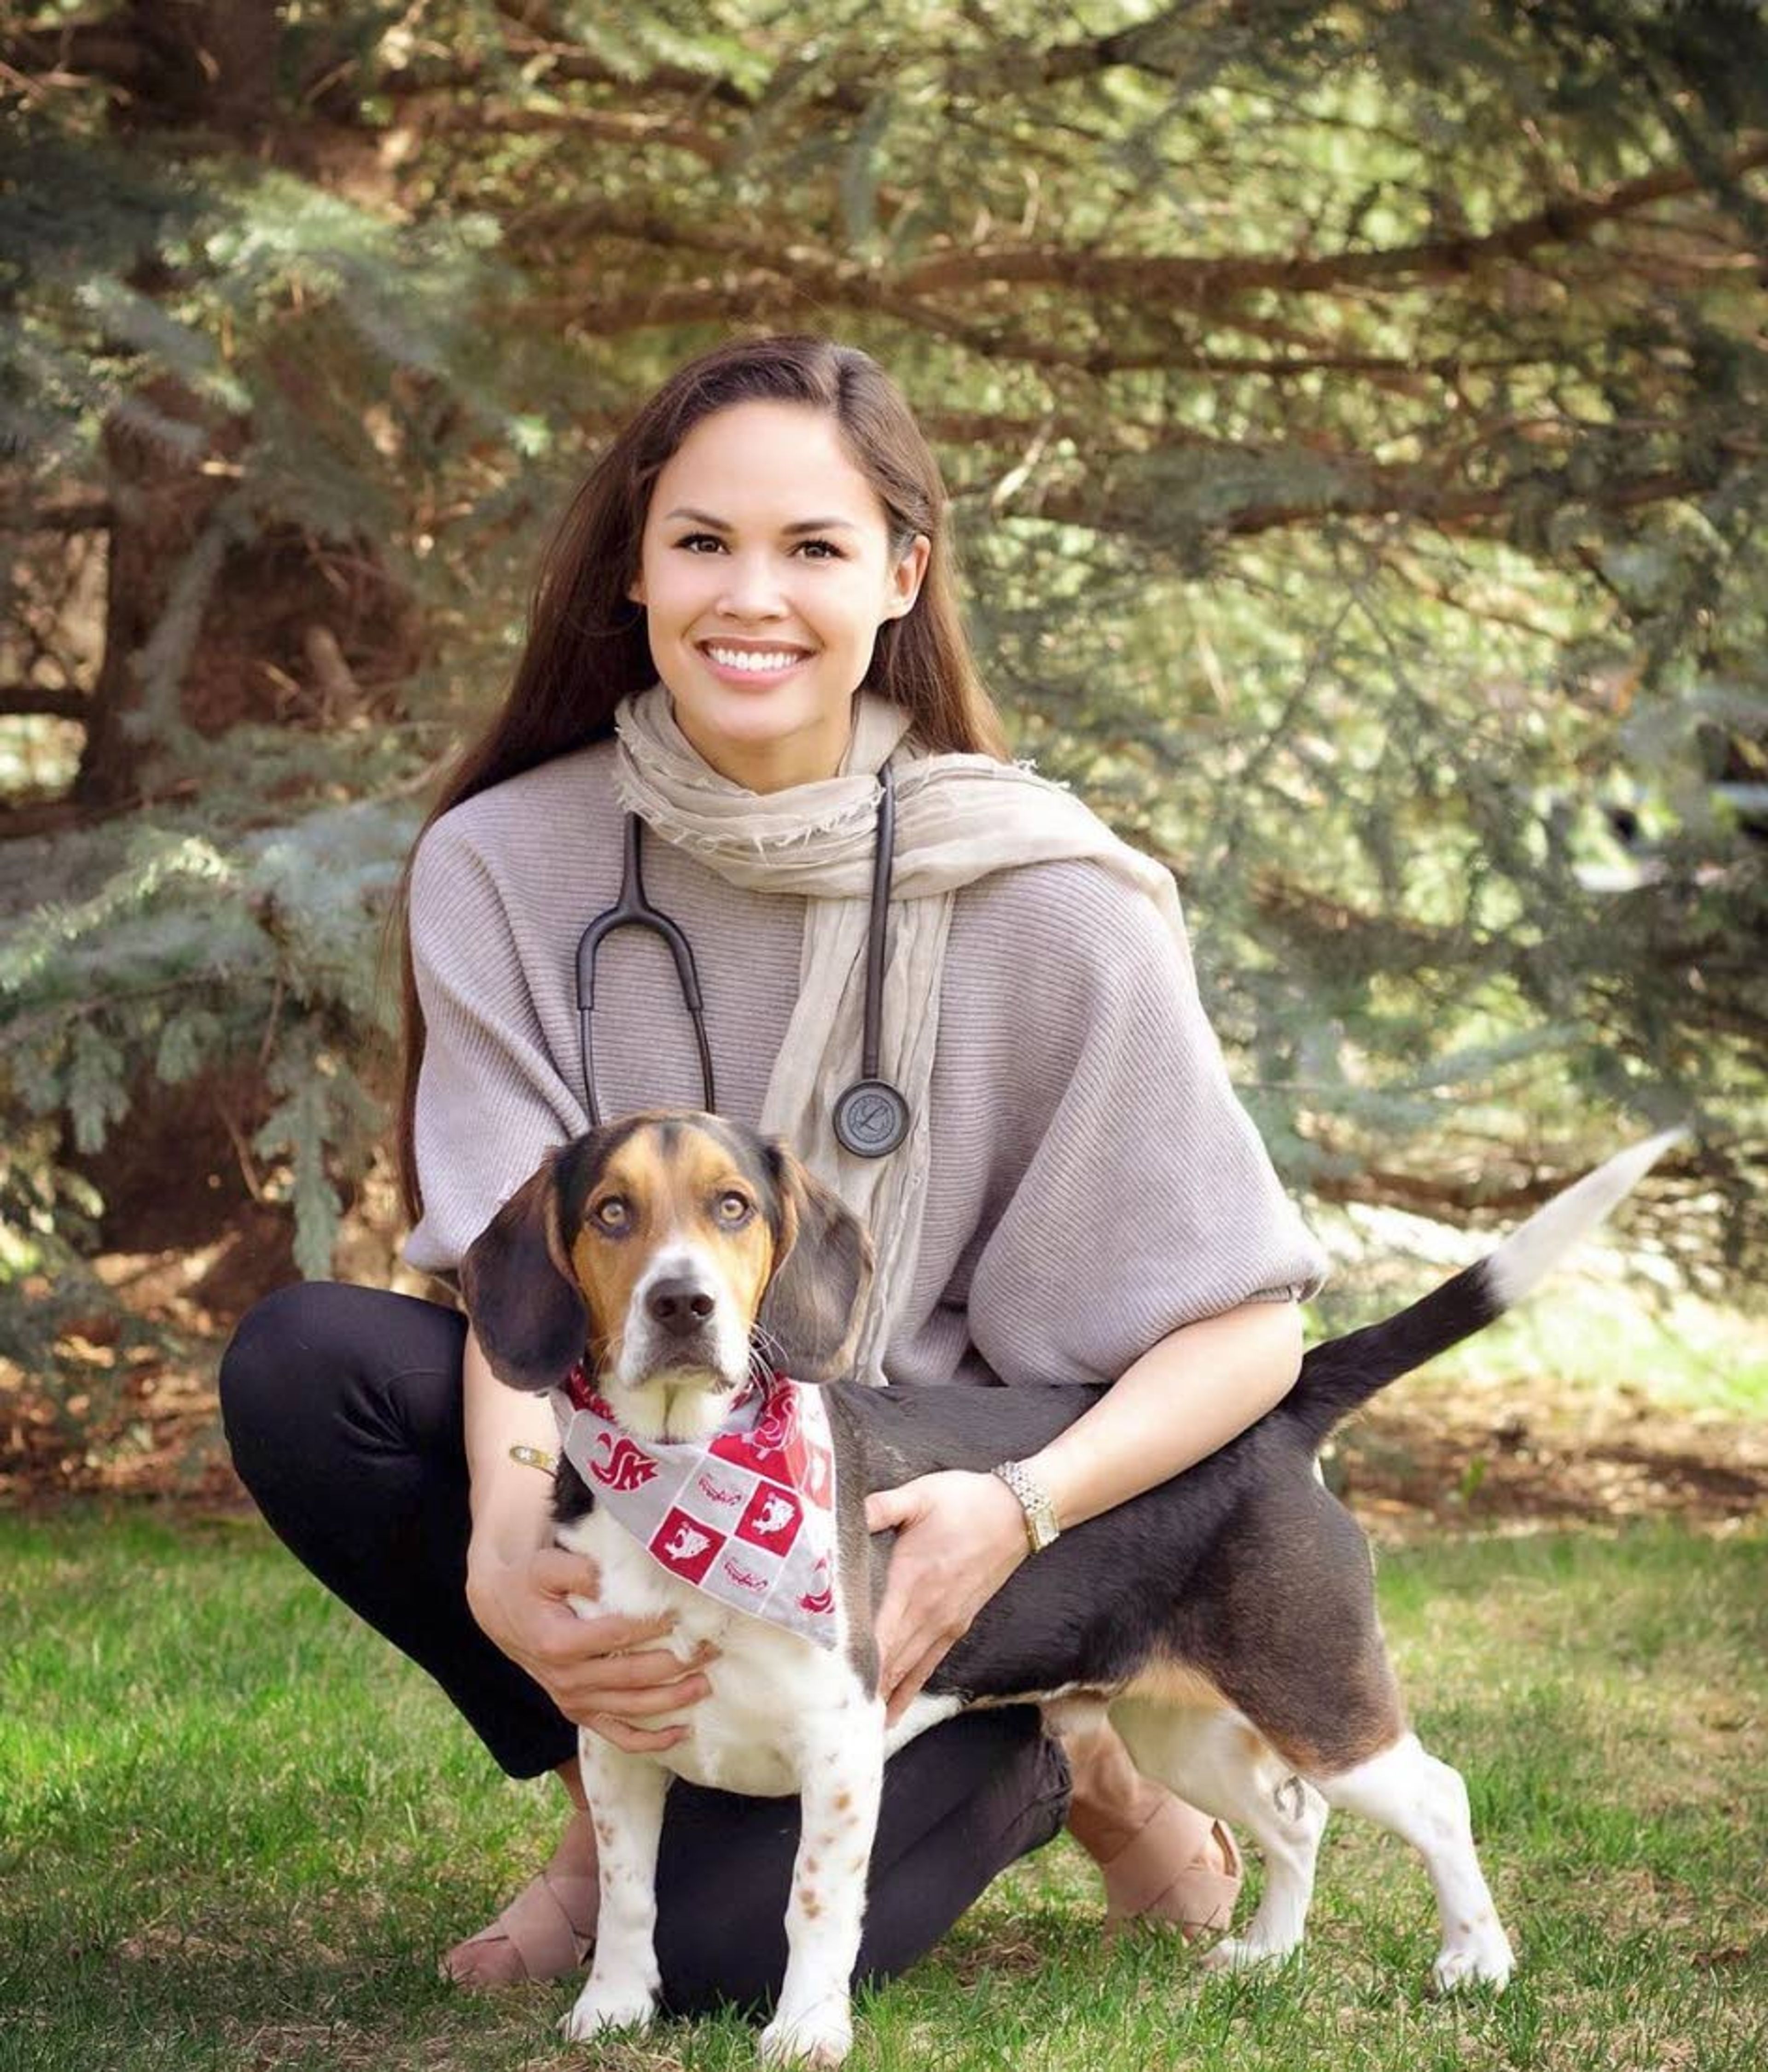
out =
column 204, row 64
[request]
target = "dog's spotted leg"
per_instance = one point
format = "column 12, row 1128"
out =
column 626, row 1794
column 1221, row 1763
column 1425, row 1801
column 843, row 1776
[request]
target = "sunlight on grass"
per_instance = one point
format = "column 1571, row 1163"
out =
column 234, row 1832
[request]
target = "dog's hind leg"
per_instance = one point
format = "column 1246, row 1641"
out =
column 842, row 1777
column 625, row 1794
column 1425, row 1801
column 1221, row 1763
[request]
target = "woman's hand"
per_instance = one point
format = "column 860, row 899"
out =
column 584, row 1666
column 959, row 1537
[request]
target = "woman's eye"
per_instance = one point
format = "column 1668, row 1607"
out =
column 827, row 549
column 612, row 1214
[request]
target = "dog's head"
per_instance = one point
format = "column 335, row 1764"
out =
column 670, row 1252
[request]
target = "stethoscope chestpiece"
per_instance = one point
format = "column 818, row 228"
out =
column 871, row 1118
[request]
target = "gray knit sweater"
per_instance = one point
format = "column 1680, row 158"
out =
column 1094, row 1183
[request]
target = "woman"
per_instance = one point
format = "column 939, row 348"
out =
column 756, row 582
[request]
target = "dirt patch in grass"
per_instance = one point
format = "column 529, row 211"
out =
column 1525, row 1457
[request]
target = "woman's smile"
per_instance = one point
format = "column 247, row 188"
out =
column 738, row 663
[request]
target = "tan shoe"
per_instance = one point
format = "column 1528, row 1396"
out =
column 545, row 1931
column 1171, row 1869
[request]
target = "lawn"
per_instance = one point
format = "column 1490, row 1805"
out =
column 233, row 1832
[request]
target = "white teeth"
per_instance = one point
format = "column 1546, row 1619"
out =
column 741, row 658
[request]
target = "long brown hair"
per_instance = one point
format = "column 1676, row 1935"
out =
column 587, row 646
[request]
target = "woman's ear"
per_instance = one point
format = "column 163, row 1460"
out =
column 816, row 1298
column 906, row 576
column 527, row 1309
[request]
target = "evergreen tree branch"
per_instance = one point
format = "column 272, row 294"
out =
column 1208, row 282
column 80, row 512
column 1418, row 493
column 37, row 701
column 1142, row 277
column 63, row 54
column 533, row 38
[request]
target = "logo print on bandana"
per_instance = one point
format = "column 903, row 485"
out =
column 749, row 1581
column 772, row 1519
column 684, row 1547
column 725, row 1491
column 624, row 1465
column 819, row 1598
column 776, row 1430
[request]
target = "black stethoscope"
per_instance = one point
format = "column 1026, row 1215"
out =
column 871, row 1116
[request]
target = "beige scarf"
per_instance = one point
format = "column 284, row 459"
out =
column 958, row 818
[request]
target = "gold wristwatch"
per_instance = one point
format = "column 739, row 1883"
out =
column 1040, row 1525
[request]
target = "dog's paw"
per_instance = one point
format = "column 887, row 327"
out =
column 1483, row 1958
column 606, row 2006
column 822, row 2035
column 1241, row 1953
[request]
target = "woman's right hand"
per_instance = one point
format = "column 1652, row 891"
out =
column 600, row 1671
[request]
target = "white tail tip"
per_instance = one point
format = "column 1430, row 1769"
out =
column 1529, row 1254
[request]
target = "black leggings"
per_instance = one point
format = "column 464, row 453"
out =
column 343, row 1408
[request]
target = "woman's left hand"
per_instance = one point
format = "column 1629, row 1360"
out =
column 959, row 1536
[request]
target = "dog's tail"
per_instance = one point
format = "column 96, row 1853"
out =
column 1338, row 1377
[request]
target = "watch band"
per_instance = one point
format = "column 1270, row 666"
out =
column 1040, row 1525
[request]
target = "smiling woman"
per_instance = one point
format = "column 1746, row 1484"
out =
column 749, row 613
column 763, row 620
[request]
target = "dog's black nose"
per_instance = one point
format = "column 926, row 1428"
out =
column 680, row 1305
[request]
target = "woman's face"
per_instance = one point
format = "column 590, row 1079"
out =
column 764, row 571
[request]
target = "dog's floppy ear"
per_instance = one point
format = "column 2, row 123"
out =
column 821, row 1276
column 524, row 1304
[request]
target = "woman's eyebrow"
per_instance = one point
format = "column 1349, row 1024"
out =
column 803, row 526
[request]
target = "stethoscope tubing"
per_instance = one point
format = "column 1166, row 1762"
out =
column 870, row 1116
column 633, row 910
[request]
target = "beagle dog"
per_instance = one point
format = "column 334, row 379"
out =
column 673, row 1264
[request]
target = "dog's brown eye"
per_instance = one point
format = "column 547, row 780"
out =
column 734, row 1208
column 612, row 1214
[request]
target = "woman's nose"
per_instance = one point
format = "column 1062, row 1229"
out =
column 751, row 588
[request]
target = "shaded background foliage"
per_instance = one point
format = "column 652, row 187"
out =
column 1353, row 415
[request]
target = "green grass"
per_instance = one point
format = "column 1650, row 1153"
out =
column 234, row 1832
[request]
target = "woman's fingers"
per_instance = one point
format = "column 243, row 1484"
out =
column 636, row 1740
column 589, row 1692
column 908, row 1688
column 611, row 1672
column 613, row 1636
column 561, row 1573
column 886, row 1508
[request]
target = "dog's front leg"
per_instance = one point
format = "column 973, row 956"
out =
column 625, row 1796
column 843, row 1776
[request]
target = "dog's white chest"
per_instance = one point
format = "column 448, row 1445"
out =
column 751, row 1734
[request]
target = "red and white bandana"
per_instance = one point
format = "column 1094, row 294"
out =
column 747, row 1515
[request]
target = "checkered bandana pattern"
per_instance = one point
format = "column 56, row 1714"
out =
column 747, row 1515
